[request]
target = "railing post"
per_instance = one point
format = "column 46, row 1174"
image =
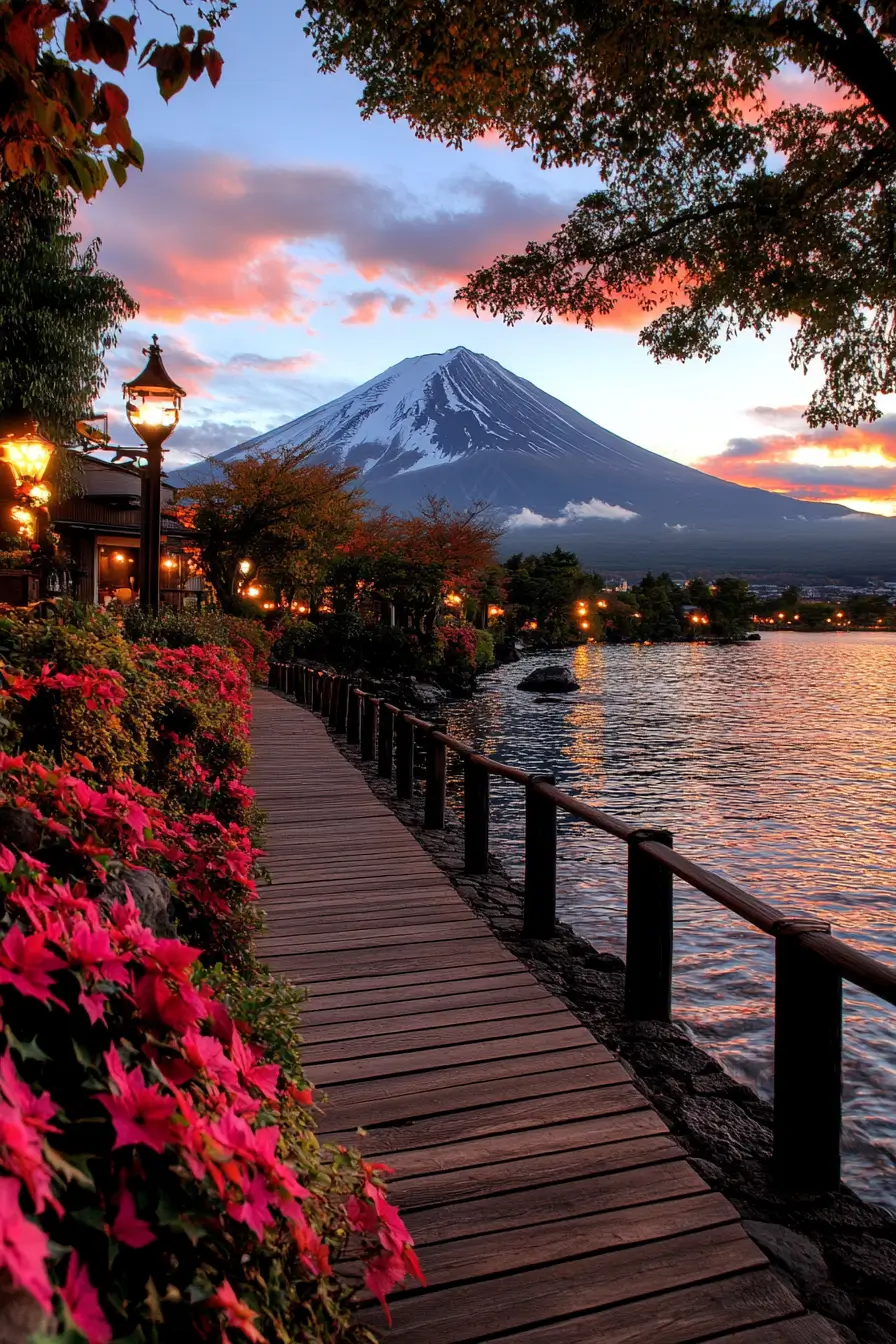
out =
column 475, row 817
column 404, row 757
column 384, row 742
column 436, row 779
column 339, row 708
column 309, row 686
column 540, row 883
column 648, row 942
column 808, row 1050
column 290, row 679
column 326, row 696
column 317, row 691
column 272, row 675
column 353, row 717
column 369, row 708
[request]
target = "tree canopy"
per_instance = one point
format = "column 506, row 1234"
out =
column 722, row 206
column 59, row 313
column 276, row 513
column 59, row 117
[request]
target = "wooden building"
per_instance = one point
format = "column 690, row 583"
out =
column 99, row 525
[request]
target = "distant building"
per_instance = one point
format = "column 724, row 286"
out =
column 100, row 529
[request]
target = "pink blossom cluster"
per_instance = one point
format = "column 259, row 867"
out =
column 123, row 1076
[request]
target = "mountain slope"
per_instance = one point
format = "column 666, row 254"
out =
column 460, row 425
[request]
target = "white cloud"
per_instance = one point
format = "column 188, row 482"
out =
column 526, row 518
column 573, row 512
column 597, row 508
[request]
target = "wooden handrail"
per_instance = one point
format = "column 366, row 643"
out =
column 810, row 963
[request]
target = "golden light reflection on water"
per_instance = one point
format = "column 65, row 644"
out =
column 774, row 764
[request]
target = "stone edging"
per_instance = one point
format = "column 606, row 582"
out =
column 837, row 1252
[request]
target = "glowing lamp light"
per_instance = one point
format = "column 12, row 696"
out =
column 169, row 563
column 839, row 615
column 153, row 399
column 602, row 604
column 25, row 520
column 25, row 451
column 245, row 566
column 584, row 625
column 494, row 611
column 39, row 494
column 453, row 599
column 637, row 615
column 118, row 557
column 252, row 591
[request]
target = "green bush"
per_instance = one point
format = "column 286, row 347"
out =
column 172, row 629
column 485, row 650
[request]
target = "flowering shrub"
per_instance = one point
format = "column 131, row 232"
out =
column 248, row 639
column 159, row 1173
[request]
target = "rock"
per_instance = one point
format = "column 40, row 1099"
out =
column 549, row 679
column 866, row 1262
column 880, row 1316
column 506, row 652
column 19, row 829
column 20, row 1315
column 724, row 1130
column 792, row 1252
column 833, row 1302
column 151, row 896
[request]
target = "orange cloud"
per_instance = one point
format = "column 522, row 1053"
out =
column 210, row 236
column 852, row 466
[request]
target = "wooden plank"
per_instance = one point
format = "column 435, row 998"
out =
column 385, row 988
column 464, row 1259
column 447, row 1017
column 810, row 1329
column 361, row 1010
column 432, row 1038
column 467, row 1075
column 582, row 1197
column 680, row 1316
column 524, row 1143
column 530, row 1173
column 466, row 1312
column 423, row 1102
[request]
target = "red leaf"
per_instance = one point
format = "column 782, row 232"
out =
column 214, row 64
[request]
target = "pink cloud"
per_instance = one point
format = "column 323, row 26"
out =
column 210, row 236
column 366, row 306
column 855, row 465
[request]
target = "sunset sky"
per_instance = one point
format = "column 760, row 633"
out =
column 285, row 251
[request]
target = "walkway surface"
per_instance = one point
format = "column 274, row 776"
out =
column 548, row 1202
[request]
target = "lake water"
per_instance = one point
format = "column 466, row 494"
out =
column 774, row 764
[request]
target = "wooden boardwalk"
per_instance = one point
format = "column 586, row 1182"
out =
column 548, row 1202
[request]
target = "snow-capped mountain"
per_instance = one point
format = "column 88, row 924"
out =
column 459, row 425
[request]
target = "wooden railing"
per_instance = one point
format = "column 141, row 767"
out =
column 810, row 964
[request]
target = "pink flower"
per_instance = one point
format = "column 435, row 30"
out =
column 26, row 964
column 254, row 1210
column 83, row 1303
column 140, row 1113
column 236, row 1312
column 381, row 1274
column 127, row 1227
column 23, row 1246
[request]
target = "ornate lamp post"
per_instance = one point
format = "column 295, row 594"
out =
column 153, row 408
column 27, row 454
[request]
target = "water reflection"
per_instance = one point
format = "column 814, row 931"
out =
column 772, row 763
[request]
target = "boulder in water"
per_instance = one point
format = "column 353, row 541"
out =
column 549, row 679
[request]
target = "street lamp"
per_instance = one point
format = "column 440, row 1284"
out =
column 26, row 452
column 153, row 408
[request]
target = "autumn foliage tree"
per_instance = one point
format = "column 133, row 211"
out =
column 61, row 118
column 721, row 203
column 279, row 511
column 416, row 561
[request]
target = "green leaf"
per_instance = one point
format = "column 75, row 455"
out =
column 25, row 1049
